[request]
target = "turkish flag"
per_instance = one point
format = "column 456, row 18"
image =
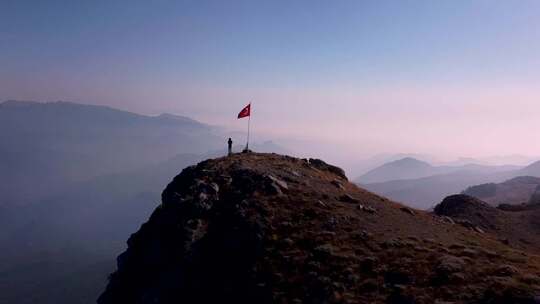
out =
column 246, row 111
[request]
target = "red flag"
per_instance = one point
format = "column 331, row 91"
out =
column 246, row 111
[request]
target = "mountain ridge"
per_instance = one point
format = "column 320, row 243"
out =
column 410, row 168
column 515, row 191
column 266, row 228
column 404, row 168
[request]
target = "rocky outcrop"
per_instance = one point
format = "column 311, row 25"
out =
column 265, row 228
column 317, row 163
column 468, row 211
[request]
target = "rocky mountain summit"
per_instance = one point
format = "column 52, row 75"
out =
column 266, row 228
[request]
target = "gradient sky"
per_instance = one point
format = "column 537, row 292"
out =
column 450, row 78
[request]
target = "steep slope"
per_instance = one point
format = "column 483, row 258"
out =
column 265, row 228
column 518, row 190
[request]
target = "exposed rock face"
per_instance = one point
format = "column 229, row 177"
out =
column 460, row 204
column 469, row 210
column 317, row 163
column 265, row 228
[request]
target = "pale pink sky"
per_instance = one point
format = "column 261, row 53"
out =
column 355, row 78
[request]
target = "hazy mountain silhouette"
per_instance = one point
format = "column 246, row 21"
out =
column 78, row 142
column 518, row 190
column 405, row 168
column 426, row 192
column 530, row 170
column 437, row 183
column 411, row 168
column 359, row 167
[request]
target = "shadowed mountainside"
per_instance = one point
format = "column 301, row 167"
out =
column 47, row 146
column 265, row 228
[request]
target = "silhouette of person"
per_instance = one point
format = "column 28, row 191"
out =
column 230, row 146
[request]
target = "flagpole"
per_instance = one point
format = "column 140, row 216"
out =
column 249, row 122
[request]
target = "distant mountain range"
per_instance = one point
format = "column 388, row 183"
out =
column 422, row 185
column 405, row 168
column 78, row 142
column 359, row 167
column 411, row 168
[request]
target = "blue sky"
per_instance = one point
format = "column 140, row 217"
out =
column 372, row 76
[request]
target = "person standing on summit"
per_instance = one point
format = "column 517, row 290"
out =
column 230, row 146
